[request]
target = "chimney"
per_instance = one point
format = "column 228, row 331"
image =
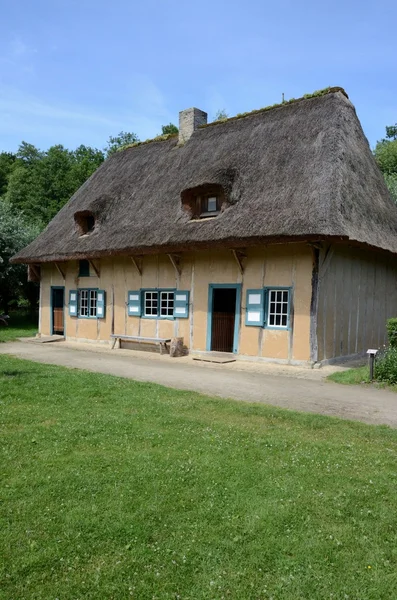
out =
column 189, row 120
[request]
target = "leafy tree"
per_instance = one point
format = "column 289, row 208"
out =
column 7, row 161
column 15, row 233
column 386, row 156
column 42, row 182
column 169, row 129
column 119, row 141
column 221, row 115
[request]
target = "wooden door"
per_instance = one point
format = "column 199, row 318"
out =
column 58, row 311
column 223, row 319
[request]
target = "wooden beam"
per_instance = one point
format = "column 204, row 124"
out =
column 34, row 273
column 62, row 274
column 96, row 269
column 176, row 262
column 137, row 265
column 239, row 256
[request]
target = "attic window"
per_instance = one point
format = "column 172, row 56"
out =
column 85, row 222
column 204, row 201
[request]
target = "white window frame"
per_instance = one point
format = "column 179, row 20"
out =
column 155, row 298
column 88, row 301
column 283, row 312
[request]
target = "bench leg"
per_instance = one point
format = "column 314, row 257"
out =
column 115, row 340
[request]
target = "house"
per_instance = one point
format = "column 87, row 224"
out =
column 271, row 235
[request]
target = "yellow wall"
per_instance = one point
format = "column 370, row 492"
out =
column 357, row 294
column 278, row 265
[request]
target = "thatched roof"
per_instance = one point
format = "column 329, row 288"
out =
column 303, row 170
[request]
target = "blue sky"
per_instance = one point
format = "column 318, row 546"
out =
column 77, row 71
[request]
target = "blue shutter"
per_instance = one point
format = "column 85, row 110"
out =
column 254, row 308
column 181, row 305
column 73, row 303
column 134, row 304
column 101, row 304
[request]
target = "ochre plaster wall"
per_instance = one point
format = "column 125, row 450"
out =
column 357, row 293
column 278, row 265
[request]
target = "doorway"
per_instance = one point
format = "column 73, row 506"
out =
column 223, row 317
column 57, row 314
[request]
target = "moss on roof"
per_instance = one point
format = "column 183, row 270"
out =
column 316, row 94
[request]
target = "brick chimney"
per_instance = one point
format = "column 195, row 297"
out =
column 189, row 120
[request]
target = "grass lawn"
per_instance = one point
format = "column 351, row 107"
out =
column 20, row 325
column 114, row 489
column 351, row 376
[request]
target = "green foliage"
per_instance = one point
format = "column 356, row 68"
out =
column 7, row 161
column 113, row 488
column 169, row 129
column 15, row 233
column 221, row 115
column 40, row 183
column 386, row 366
column 391, row 326
column 391, row 182
column 120, row 141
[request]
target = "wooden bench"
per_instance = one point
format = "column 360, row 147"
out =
column 137, row 338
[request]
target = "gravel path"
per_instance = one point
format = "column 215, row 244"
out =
column 287, row 387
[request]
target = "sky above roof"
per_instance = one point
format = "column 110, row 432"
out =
column 77, row 71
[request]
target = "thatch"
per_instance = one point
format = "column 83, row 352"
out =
column 303, row 170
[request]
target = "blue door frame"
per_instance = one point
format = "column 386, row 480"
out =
column 211, row 288
column 56, row 287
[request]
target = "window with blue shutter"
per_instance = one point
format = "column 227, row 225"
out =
column 73, row 302
column 181, row 305
column 101, row 304
column 134, row 304
column 255, row 308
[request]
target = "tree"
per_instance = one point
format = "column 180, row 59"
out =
column 124, row 138
column 169, row 129
column 15, row 233
column 7, row 161
column 386, row 156
column 221, row 115
column 42, row 182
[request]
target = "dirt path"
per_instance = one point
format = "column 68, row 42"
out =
column 310, row 393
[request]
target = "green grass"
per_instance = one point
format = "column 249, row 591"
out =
column 20, row 325
column 351, row 376
column 114, row 489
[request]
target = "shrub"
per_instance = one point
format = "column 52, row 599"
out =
column 386, row 365
column 392, row 332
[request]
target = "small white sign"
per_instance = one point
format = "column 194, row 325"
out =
column 99, row 310
column 181, row 297
column 134, row 309
column 100, row 297
column 73, row 297
column 72, row 310
column 179, row 310
column 254, row 298
column 134, row 297
column 254, row 316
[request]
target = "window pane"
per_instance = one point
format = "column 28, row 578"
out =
column 84, row 303
column 167, row 304
column 151, row 301
column 93, row 303
column 211, row 204
column 278, row 308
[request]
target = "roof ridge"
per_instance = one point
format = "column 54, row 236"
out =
column 316, row 94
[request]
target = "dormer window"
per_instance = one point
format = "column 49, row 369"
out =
column 203, row 202
column 85, row 222
column 208, row 206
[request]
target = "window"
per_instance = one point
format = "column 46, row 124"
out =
column 268, row 307
column 159, row 303
column 208, row 205
column 85, row 222
column 84, row 268
column 88, row 303
column 278, row 308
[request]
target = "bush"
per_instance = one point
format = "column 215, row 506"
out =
column 386, row 365
column 391, row 326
